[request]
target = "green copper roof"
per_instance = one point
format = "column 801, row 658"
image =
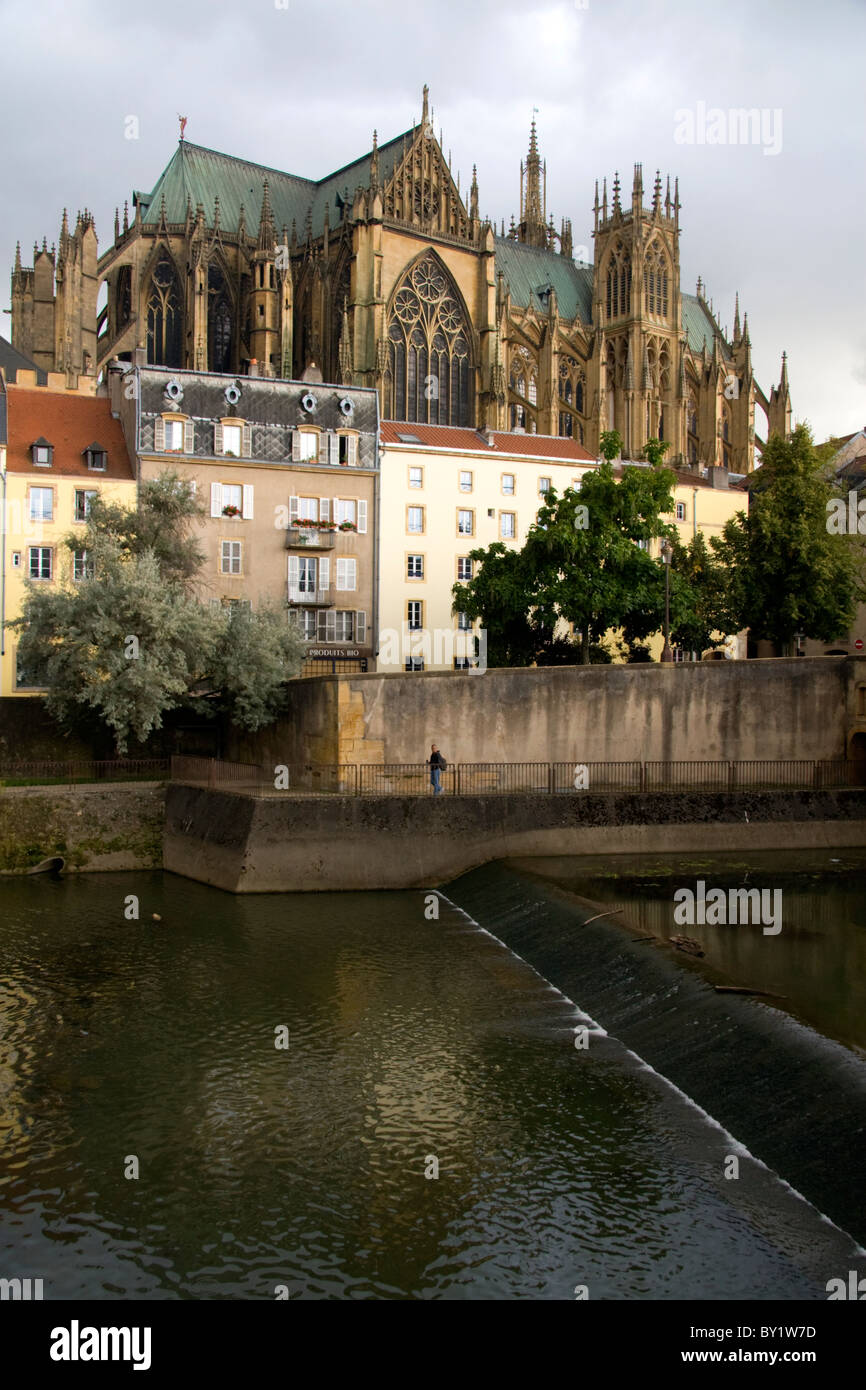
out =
column 200, row 175
column 699, row 325
column 528, row 269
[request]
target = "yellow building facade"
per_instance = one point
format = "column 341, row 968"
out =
column 63, row 448
column 448, row 491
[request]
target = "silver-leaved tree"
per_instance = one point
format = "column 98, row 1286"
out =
column 124, row 634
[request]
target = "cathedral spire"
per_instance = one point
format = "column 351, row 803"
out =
column 425, row 95
column 374, row 163
column 746, row 338
column 657, row 194
column 783, row 384
column 737, row 317
column 616, row 203
column 344, row 351
column 533, row 195
column 473, row 194
column 668, row 197
column 266, row 222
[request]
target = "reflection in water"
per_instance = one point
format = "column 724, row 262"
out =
column 409, row 1040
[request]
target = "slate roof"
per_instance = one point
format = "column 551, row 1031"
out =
column 530, row 268
column 12, row 361
column 71, row 423
column 200, row 174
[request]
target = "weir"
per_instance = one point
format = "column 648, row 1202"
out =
column 794, row 1098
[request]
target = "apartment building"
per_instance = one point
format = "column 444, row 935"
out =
column 289, row 475
column 447, row 491
column 63, row 448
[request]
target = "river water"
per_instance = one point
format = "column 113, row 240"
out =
column 417, row 1044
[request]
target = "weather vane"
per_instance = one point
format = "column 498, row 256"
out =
column 182, row 120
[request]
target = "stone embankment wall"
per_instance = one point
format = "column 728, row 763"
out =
column 706, row 710
column 93, row 827
column 308, row 844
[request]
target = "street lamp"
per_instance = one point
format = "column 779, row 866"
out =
column 667, row 553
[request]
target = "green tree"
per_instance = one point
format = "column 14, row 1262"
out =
column 610, row 444
column 785, row 571
column 654, row 450
column 501, row 595
column 698, row 608
column 132, row 641
column 596, row 575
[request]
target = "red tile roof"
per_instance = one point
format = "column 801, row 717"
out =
column 71, row 423
column 541, row 446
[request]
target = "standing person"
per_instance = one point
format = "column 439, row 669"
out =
column 437, row 767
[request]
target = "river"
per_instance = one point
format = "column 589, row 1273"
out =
column 358, row 1095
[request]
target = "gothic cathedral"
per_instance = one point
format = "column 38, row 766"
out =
column 384, row 274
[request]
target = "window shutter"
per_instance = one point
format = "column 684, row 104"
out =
column 341, row 573
column 217, row 438
column 352, row 574
column 324, row 509
column 188, row 437
column 324, row 574
column 362, row 517
column 323, row 447
column 247, row 509
column 246, row 443
column 353, row 451
column 296, row 446
column 360, row 627
column 334, row 448
column 159, row 434
column 293, row 509
column 294, row 575
column 216, row 499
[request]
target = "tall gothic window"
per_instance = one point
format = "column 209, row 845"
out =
column 429, row 376
column 619, row 283
column 523, row 385
column 655, row 283
column 164, row 316
column 219, row 322
column 571, row 392
column 692, row 429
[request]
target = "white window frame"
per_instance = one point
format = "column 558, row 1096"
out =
column 41, row 491
column 503, row 533
column 680, row 511
column 414, row 530
column 347, row 574
column 80, row 561
column 88, row 493
column 461, row 528
column 409, row 560
column 232, row 558
column 506, row 490
column 42, row 550
column 463, row 474
column 413, row 469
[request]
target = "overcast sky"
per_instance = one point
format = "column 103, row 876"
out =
column 300, row 86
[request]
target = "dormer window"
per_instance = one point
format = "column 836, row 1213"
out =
column 43, row 453
column 233, row 438
column 97, row 458
column 174, row 436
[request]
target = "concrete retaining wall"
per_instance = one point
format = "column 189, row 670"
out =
column 249, row 845
column 706, row 710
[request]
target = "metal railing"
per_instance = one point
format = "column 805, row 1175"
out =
column 403, row 779
column 504, row 779
column 47, row 771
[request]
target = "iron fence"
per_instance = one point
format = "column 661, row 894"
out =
column 503, row 779
column 46, row 770
column 403, row 779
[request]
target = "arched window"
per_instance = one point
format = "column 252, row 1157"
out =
column 523, row 383
column 692, row 428
column 429, row 355
column 655, row 282
column 571, row 393
column 164, row 316
column 619, row 283
column 219, row 322
column 123, row 295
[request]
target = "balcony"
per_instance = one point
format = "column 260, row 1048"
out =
column 312, row 598
column 310, row 538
